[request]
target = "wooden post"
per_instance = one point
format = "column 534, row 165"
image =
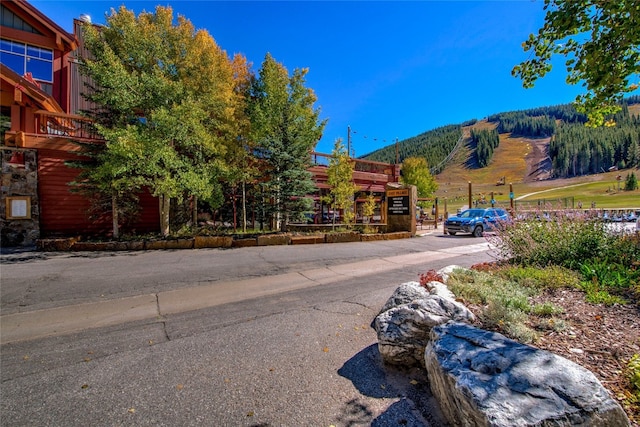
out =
column 435, row 219
column 470, row 199
column 511, row 196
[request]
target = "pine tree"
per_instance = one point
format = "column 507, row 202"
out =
column 285, row 130
column 631, row 182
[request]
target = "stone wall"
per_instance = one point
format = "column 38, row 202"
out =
column 19, row 181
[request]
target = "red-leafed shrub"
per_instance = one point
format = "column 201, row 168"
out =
column 430, row 276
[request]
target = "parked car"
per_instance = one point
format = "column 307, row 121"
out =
column 476, row 221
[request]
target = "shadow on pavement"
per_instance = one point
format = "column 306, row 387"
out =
column 365, row 370
column 372, row 378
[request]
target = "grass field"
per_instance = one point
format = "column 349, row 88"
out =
column 605, row 194
column 514, row 159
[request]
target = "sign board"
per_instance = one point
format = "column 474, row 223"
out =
column 18, row 207
column 398, row 202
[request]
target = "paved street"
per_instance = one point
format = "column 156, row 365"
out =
column 276, row 336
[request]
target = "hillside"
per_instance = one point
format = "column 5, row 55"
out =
column 523, row 160
column 524, row 163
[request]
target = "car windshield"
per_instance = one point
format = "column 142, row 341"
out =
column 471, row 213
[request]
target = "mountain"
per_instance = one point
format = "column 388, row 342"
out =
column 528, row 145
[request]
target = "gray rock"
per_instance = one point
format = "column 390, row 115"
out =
column 482, row 378
column 405, row 293
column 439, row 288
column 445, row 272
column 403, row 331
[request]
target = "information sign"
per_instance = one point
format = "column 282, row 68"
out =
column 398, row 202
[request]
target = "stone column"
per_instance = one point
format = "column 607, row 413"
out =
column 20, row 190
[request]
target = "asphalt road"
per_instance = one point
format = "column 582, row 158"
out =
column 262, row 336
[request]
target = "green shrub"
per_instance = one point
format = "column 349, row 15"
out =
column 634, row 373
column 505, row 304
column 551, row 277
column 566, row 239
column 546, row 309
column 632, row 394
column 551, row 324
column 601, row 279
column 625, row 250
column 609, row 262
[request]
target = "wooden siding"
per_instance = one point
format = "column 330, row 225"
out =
column 65, row 213
column 61, row 212
column 149, row 219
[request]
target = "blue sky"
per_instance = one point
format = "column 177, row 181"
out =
column 386, row 69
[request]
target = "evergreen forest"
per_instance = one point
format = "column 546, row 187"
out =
column 435, row 146
column 574, row 148
column 485, row 141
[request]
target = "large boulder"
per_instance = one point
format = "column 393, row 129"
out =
column 406, row 319
column 482, row 378
column 405, row 293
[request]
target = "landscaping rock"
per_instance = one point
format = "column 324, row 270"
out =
column 371, row 237
column 274, row 239
column 397, row 235
column 445, row 272
column 482, row 378
column 136, row 245
column 439, row 288
column 307, row 240
column 243, row 243
column 180, row 244
column 405, row 293
column 403, row 329
column 212, row 242
column 54, row 245
column 343, row 237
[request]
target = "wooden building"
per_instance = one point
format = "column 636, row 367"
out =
column 41, row 96
column 41, row 87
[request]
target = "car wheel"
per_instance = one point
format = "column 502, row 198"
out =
column 453, row 233
column 477, row 232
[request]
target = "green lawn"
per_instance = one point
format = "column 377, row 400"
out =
column 605, row 195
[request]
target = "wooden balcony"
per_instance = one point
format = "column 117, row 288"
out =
column 65, row 125
column 321, row 159
column 368, row 175
column 50, row 130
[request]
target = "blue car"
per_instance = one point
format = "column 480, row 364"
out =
column 476, row 221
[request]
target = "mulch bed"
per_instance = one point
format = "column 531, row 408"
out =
column 598, row 337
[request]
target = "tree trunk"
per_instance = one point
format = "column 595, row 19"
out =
column 165, row 204
column 235, row 212
column 114, row 216
column 195, row 211
column 244, row 208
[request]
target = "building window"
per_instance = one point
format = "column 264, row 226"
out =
column 24, row 58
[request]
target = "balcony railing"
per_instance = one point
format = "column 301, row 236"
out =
column 65, row 125
column 360, row 165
